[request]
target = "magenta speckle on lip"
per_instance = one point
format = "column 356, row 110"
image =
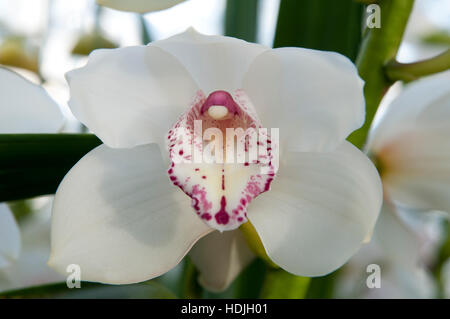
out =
column 223, row 181
column 222, row 216
column 222, row 98
column 206, row 216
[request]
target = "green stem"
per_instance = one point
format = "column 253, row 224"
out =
column 441, row 259
column 279, row 284
column 191, row 288
column 323, row 287
column 412, row 71
column 380, row 46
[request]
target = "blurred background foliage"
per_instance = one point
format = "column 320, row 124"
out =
column 43, row 39
column 322, row 25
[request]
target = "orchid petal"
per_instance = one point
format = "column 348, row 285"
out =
column 314, row 97
column 319, row 211
column 415, row 167
column 412, row 147
column 220, row 257
column 116, row 216
column 139, row 6
column 9, row 237
column 215, row 62
column 424, row 103
column 130, row 96
column 397, row 242
column 31, row 268
column 26, row 107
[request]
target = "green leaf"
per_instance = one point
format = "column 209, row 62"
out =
column 241, row 19
column 34, row 164
column 249, row 284
column 146, row 290
column 322, row 287
column 328, row 25
column 280, row 284
column 443, row 256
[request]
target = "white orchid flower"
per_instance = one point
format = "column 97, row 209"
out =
column 139, row 6
column 119, row 216
column 30, row 268
column 24, row 108
column 411, row 145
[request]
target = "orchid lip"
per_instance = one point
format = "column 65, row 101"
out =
column 221, row 192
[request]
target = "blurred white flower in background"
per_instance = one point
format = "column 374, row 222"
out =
column 9, row 237
column 410, row 143
column 30, row 267
column 403, row 254
column 428, row 18
column 206, row 16
column 24, row 108
column 24, row 17
column 22, row 29
column 140, row 6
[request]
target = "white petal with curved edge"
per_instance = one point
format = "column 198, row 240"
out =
column 31, row 268
column 215, row 62
column 220, row 257
column 26, row 107
column 416, row 168
column 130, row 96
column 397, row 242
column 425, row 103
column 314, row 97
column 116, row 216
column 9, row 237
column 319, row 210
column 140, row 6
